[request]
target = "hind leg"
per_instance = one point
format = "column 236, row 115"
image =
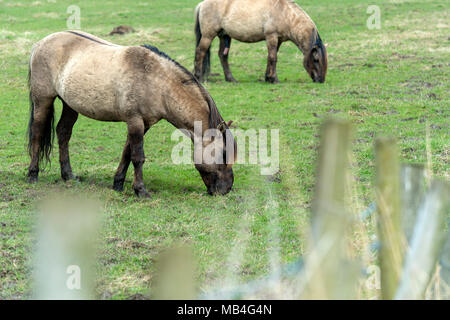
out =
column 42, row 118
column 225, row 43
column 200, row 54
column 64, row 132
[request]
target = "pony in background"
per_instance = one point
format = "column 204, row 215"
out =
column 274, row 21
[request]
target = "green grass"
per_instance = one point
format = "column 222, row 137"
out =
column 392, row 81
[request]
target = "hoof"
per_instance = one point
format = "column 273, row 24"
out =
column 118, row 186
column 33, row 176
column 68, row 176
column 233, row 80
column 141, row 192
column 272, row 80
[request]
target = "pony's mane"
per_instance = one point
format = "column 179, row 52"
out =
column 215, row 119
column 317, row 41
column 167, row 57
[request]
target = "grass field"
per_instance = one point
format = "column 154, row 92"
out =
column 392, row 81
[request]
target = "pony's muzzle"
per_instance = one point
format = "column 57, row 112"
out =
column 219, row 182
column 319, row 80
column 221, row 188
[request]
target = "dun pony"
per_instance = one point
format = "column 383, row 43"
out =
column 274, row 21
column 138, row 85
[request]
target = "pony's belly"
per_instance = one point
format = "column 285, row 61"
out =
column 90, row 94
column 249, row 38
column 97, row 105
column 100, row 114
column 244, row 33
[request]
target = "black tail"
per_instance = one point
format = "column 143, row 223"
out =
column 46, row 142
column 207, row 60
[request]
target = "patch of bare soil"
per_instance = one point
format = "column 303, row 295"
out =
column 121, row 30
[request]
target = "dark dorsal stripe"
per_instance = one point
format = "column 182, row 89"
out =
column 87, row 37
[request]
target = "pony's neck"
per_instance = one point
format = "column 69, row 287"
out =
column 196, row 121
column 192, row 115
column 303, row 29
column 196, row 124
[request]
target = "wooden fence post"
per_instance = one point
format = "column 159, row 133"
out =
column 389, row 215
column 65, row 253
column 444, row 274
column 413, row 189
column 328, row 273
column 175, row 275
column 426, row 243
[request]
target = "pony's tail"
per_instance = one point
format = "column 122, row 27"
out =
column 46, row 141
column 206, row 68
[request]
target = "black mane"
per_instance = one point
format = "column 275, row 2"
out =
column 316, row 41
column 167, row 57
column 215, row 119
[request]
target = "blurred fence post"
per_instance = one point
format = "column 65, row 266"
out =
column 328, row 273
column 389, row 215
column 444, row 275
column 65, row 257
column 175, row 275
column 413, row 188
column 426, row 243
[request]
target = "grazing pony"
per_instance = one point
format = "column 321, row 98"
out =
column 274, row 21
column 138, row 85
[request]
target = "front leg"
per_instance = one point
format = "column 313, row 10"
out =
column 273, row 44
column 136, row 131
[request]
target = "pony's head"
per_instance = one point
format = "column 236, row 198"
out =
column 218, row 174
column 316, row 60
column 215, row 166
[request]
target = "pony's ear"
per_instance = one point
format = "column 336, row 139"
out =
column 222, row 127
